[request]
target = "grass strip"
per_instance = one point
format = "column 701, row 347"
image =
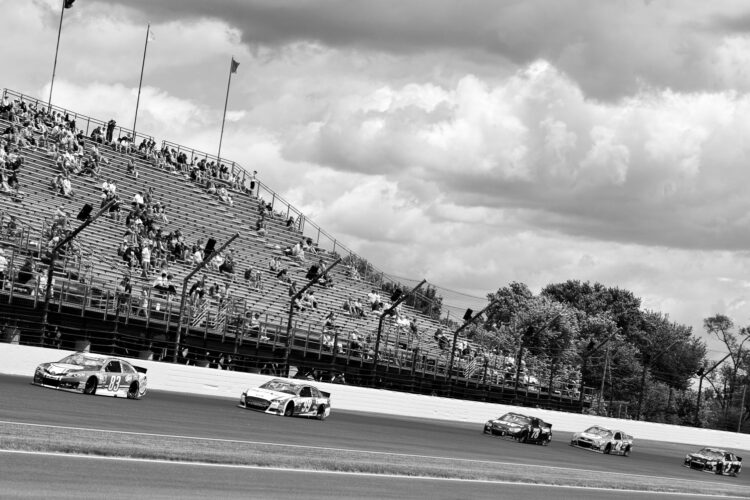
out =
column 25, row 437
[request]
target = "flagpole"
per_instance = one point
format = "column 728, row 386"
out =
column 57, row 48
column 226, row 101
column 138, row 100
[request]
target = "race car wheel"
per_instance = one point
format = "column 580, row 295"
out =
column 524, row 438
column 133, row 391
column 321, row 412
column 90, row 387
column 608, row 449
column 289, row 410
column 626, row 451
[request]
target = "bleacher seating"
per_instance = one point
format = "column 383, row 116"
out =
column 91, row 278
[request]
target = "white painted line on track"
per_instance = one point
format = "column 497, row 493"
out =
column 345, row 473
column 350, row 450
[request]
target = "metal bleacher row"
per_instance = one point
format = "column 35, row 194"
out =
column 89, row 279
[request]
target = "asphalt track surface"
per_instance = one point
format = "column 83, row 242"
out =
column 154, row 480
column 207, row 417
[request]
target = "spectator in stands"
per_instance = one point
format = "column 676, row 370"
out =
column 197, row 290
column 355, row 347
column 66, row 189
column 290, row 222
column 352, row 272
column 132, row 168
column 374, row 298
column 261, row 226
column 359, row 310
column 227, row 267
column 146, row 260
column 161, row 284
column 224, row 196
column 110, row 130
column 253, row 325
column 283, row 276
column 197, row 253
column 96, row 135
column 124, row 289
column 138, row 200
column 292, row 291
column 274, row 264
column 309, row 300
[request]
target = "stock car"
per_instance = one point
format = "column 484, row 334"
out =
column 520, row 427
column 93, row 374
column 603, row 440
column 714, row 460
column 291, row 399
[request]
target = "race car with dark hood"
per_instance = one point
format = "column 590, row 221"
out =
column 521, row 427
column 715, row 461
column 90, row 373
column 603, row 440
column 291, row 399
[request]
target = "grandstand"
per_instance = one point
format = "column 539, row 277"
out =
column 243, row 320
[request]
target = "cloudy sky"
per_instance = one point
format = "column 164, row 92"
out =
column 470, row 143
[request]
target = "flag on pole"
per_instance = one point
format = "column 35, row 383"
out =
column 234, row 67
column 68, row 4
column 151, row 36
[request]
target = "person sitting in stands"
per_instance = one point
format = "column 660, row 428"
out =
column 283, row 276
column 224, row 196
column 132, row 168
column 323, row 277
column 197, row 291
column 97, row 135
column 228, row 266
column 197, row 253
column 253, row 326
column 292, row 288
column 274, row 264
column 310, row 300
column 66, row 189
column 354, row 344
column 161, row 283
column 290, row 222
column 293, row 251
column 374, row 298
column 124, row 289
column 359, row 310
column 261, row 227
column 210, row 188
column 138, row 200
column 349, row 305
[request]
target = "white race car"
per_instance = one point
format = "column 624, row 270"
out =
column 283, row 397
column 603, row 440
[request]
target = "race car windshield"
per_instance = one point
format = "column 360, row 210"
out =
column 708, row 452
column 279, row 386
column 82, row 360
column 515, row 419
column 598, row 431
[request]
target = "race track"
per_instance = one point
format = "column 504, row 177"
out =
column 175, row 414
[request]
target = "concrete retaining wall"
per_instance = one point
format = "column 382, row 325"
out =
column 21, row 360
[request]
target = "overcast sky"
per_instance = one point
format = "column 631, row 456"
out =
column 472, row 143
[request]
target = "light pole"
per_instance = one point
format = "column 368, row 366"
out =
column 66, row 4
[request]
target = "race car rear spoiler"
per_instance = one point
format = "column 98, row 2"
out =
column 140, row 369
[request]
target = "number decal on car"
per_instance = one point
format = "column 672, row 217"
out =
column 114, row 384
column 535, row 433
